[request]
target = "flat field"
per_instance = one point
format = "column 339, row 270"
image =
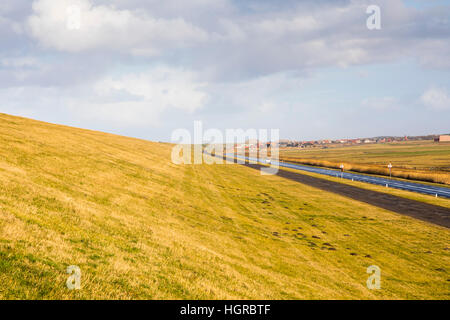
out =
column 140, row 227
column 416, row 160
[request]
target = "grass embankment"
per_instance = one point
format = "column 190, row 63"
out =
column 139, row 226
column 415, row 160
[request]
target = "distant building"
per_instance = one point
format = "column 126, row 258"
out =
column 443, row 138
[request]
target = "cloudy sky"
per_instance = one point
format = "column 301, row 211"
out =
column 311, row 68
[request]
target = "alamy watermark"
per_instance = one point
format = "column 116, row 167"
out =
column 74, row 279
column 373, row 22
column 214, row 146
column 374, row 280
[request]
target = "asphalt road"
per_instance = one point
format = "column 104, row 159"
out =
column 390, row 183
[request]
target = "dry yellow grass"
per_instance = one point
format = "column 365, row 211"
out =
column 140, row 227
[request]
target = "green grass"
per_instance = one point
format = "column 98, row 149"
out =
column 140, row 227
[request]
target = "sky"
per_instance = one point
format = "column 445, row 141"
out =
column 312, row 69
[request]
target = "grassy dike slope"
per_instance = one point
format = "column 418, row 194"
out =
column 139, row 226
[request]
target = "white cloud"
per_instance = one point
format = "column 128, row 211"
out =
column 436, row 98
column 120, row 101
column 18, row 62
column 259, row 60
column 9, row 27
column 261, row 94
column 281, row 27
column 238, row 44
column 384, row 103
column 138, row 99
column 104, row 27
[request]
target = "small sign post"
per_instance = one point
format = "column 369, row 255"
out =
column 390, row 167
